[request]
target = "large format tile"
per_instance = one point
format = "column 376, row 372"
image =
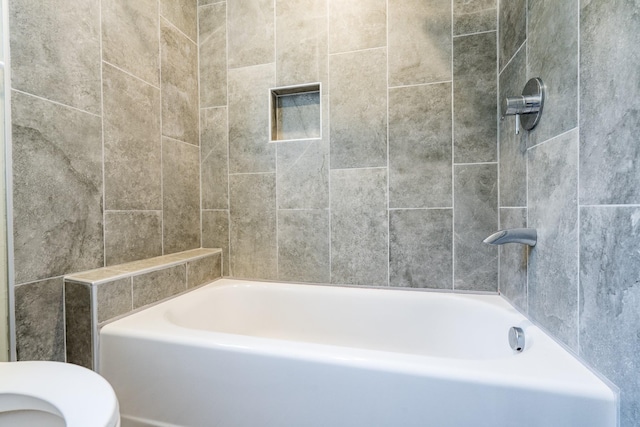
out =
column 157, row 285
column 303, row 175
column 358, row 106
column 553, row 212
column 421, row 248
column 203, row 270
column 253, row 226
column 132, row 235
column 78, row 324
column 420, row 146
column 182, row 14
column 214, row 153
column 512, row 20
column 132, row 146
column 609, row 299
column 215, row 234
column 553, row 56
column 359, row 227
column 179, row 61
column 46, row 58
column 57, row 189
column 475, row 218
column 473, row 16
column 513, row 260
column 609, row 102
column 356, row 25
column 212, row 42
column 474, row 98
column 130, row 37
column 251, row 30
column 419, row 41
column 114, row 298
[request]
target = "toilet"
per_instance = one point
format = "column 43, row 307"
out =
column 52, row 394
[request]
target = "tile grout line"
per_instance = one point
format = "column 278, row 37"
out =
column 161, row 138
column 129, row 73
column 328, row 136
column 56, row 102
column 388, row 156
column 498, row 157
column 453, row 166
column 200, row 159
column 275, row 82
column 579, row 216
column 226, row 41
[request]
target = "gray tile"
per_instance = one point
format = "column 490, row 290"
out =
column 57, row 189
column 419, row 41
column 359, row 227
column 132, row 235
column 46, row 58
column 303, row 246
column 420, row 146
column 182, row 14
column 181, row 196
column 214, row 155
column 160, row 284
column 358, row 106
column 553, row 56
column 474, row 16
column 296, row 116
column 132, row 148
column 474, row 98
column 553, row 212
column 179, row 61
column 301, row 42
column 475, row 218
column 356, row 25
column 251, row 30
column 203, row 270
column 206, row 2
column 130, row 37
column 249, row 149
column 253, row 226
column 40, row 320
column 78, row 324
column 512, row 20
column 215, row 234
column 609, row 103
column 513, row 148
column 513, row 260
column 114, row 299
column 421, row 248
column 609, row 300
column 213, row 54
column 303, row 175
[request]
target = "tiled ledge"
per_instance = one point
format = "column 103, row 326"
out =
column 95, row 297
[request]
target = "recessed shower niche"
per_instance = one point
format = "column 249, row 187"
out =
column 295, row 113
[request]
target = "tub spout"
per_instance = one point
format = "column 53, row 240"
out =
column 525, row 236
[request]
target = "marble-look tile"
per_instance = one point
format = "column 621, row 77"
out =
column 419, row 41
column 301, row 42
column 181, row 196
column 132, row 174
column 359, row 227
column 420, row 146
column 114, row 299
column 357, row 25
column 40, row 320
column 182, row 14
column 512, row 21
column 553, row 212
column 78, row 324
column 214, row 153
column 215, row 234
column 303, row 246
column 253, row 226
column 474, row 98
column 421, row 248
column 130, row 37
column 46, row 58
column 609, row 300
column 249, row 149
column 132, row 235
column 358, row 106
column 513, row 260
column 251, row 30
column 513, row 148
column 552, row 44
column 609, row 103
column 475, row 218
column 179, row 61
column 57, row 189
column 474, row 16
column 203, row 270
column 157, row 285
column 212, row 41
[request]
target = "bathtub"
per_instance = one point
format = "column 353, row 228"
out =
column 237, row 353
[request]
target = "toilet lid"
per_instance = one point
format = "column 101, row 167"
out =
column 82, row 397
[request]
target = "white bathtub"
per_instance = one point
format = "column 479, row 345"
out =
column 252, row 354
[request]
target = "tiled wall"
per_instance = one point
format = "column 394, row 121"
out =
column 577, row 173
column 105, row 146
column 401, row 189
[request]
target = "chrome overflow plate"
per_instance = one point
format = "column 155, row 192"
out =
column 516, row 339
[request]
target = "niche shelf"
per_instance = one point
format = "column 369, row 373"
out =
column 295, row 113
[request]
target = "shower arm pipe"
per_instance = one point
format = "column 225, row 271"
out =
column 525, row 236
